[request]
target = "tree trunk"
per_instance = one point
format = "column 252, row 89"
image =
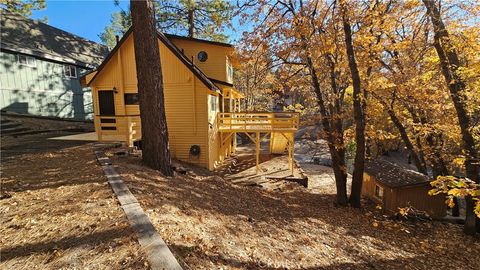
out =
column 450, row 63
column 406, row 140
column 155, row 149
column 191, row 23
column 338, row 155
column 358, row 114
column 340, row 171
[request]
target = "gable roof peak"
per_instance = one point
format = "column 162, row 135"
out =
column 23, row 35
column 174, row 49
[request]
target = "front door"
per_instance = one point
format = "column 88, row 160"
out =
column 106, row 103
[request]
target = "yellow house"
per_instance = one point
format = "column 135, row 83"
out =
column 202, row 107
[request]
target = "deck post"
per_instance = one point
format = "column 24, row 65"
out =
column 234, row 143
column 292, row 149
column 129, row 132
column 257, row 152
column 98, row 128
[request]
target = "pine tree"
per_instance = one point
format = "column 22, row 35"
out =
column 24, row 8
column 155, row 149
column 206, row 19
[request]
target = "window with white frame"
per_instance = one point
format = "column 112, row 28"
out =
column 213, row 103
column 26, row 60
column 229, row 70
column 378, row 191
column 70, row 71
column 212, row 108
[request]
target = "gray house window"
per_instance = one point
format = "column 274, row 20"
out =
column 70, row 71
column 25, row 60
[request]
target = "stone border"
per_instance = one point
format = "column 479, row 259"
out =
column 158, row 254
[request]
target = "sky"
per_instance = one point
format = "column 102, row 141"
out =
column 85, row 18
column 88, row 18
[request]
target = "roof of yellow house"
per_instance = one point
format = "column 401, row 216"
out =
column 223, row 44
column 88, row 78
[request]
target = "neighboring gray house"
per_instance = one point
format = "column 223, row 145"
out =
column 41, row 66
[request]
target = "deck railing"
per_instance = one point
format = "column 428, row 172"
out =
column 122, row 128
column 258, row 122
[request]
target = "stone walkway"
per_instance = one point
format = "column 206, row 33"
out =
column 158, row 253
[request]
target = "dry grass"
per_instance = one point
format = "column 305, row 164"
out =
column 212, row 224
column 62, row 215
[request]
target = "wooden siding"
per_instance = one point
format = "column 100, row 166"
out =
column 186, row 102
column 216, row 64
column 42, row 89
column 217, row 149
column 416, row 196
column 368, row 190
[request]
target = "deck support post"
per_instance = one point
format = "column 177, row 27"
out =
column 291, row 149
column 257, row 152
column 129, row 132
column 234, row 143
column 98, row 128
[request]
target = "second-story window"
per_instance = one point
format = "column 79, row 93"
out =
column 229, row 71
column 26, row 60
column 70, row 71
column 202, row 56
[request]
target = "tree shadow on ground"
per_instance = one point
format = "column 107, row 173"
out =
column 40, row 143
column 287, row 212
column 219, row 196
column 361, row 263
column 93, row 239
column 49, row 164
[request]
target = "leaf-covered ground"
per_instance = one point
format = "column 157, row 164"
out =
column 57, row 210
column 211, row 223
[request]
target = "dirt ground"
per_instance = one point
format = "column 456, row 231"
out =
column 210, row 223
column 57, row 210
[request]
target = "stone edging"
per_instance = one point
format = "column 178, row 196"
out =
column 158, row 254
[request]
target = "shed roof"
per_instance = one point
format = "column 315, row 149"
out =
column 32, row 37
column 392, row 175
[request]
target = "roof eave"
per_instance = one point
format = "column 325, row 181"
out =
column 48, row 57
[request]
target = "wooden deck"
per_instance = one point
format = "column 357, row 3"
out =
column 258, row 122
column 280, row 126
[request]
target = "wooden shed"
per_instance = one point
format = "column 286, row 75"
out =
column 394, row 187
column 201, row 104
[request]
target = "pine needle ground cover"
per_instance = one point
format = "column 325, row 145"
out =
column 210, row 223
column 58, row 212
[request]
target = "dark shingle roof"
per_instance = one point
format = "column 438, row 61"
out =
column 27, row 36
column 223, row 44
column 392, row 175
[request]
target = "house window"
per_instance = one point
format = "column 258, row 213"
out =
column 202, row 56
column 212, row 108
column 229, row 71
column 213, row 103
column 131, row 99
column 378, row 191
column 26, row 60
column 70, row 71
